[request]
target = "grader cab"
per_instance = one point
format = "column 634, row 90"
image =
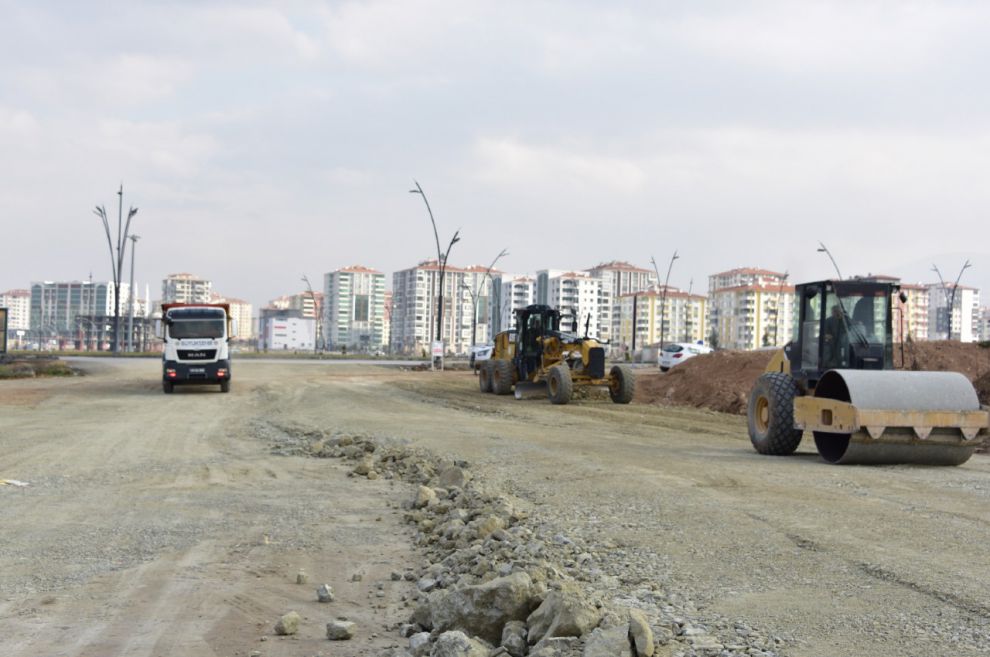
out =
column 537, row 358
column 837, row 380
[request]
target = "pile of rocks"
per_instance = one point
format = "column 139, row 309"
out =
column 497, row 582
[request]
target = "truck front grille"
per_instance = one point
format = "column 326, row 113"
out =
column 197, row 354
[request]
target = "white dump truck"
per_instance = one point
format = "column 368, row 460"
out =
column 197, row 344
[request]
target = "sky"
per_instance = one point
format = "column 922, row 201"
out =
column 265, row 141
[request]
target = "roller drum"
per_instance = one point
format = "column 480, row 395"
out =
column 898, row 391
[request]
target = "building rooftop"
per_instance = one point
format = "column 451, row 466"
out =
column 357, row 269
column 753, row 271
column 619, row 265
column 16, row 293
column 758, row 288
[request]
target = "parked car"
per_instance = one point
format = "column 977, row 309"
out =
column 480, row 353
column 678, row 352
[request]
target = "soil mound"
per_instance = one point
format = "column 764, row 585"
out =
column 721, row 381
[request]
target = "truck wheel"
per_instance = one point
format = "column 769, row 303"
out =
column 225, row 386
column 502, row 377
column 168, row 387
column 560, row 387
column 622, row 385
column 485, row 376
column 770, row 415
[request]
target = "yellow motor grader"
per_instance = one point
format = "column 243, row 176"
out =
column 537, row 358
column 837, row 380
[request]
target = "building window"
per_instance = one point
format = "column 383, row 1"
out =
column 361, row 307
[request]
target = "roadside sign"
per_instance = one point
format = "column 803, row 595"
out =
column 436, row 355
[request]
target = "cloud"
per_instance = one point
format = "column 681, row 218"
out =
column 816, row 37
column 511, row 163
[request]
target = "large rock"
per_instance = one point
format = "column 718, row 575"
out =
column 288, row 624
column 424, row 495
column 613, row 642
column 365, row 465
column 563, row 613
column 453, row 477
column 419, row 644
column 641, row 633
column 483, row 610
column 340, row 630
column 514, row 638
column 458, row 644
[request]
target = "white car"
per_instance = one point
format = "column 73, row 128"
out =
column 480, row 353
column 678, row 352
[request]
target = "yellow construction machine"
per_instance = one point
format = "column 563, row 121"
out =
column 837, row 379
column 537, row 358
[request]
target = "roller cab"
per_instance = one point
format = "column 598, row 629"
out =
column 837, row 381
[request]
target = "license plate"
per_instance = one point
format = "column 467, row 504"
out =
column 197, row 370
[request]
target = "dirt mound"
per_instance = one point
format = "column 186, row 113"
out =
column 722, row 380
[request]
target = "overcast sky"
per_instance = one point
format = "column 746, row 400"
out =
column 263, row 141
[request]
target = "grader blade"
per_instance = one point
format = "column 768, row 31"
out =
column 887, row 417
column 526, row 390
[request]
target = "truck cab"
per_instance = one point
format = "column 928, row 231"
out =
column 197, row 345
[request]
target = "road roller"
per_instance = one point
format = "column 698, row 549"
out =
column 837, row 380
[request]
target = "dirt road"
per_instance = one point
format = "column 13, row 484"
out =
column 158, row 525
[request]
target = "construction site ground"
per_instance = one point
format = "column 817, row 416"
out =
column 157, row 524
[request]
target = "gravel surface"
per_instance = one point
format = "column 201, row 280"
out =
column 157, row 525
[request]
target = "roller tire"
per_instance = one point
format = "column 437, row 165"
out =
column 485, row 376
column 225, row 386
column 770, row 415
column 560, row 386
column 168, row 387
column 502, row 377
column 622, row 386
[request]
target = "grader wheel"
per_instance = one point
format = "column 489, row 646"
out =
column 771, row 415
column 622, row 385
column 560, row 387
column 502, row 377
column 485, row 376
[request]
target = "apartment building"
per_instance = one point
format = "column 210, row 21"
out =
column 242, row 312
column 682, row 316
column 286, row 330
column 510, row 292
column 18, row 305
column 985, row 323
column 186, row 288
column 415, row 291
column 750, row 308
column 354, row 312
column 911, row 317
column 618, row 278
column 577, row 295
column 965, row 313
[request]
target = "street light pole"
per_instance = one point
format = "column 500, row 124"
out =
column 130, row 309
column 951, row 298
column 824, row 249
column 477, row 293
column 441, row 258
column 663, row 297
column 316, row 311
column 116, row 263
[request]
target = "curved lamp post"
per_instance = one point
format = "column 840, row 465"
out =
column 116, row 263
column 663, row 297
column 441, row 258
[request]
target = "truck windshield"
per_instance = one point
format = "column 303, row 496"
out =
column 196, row 328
